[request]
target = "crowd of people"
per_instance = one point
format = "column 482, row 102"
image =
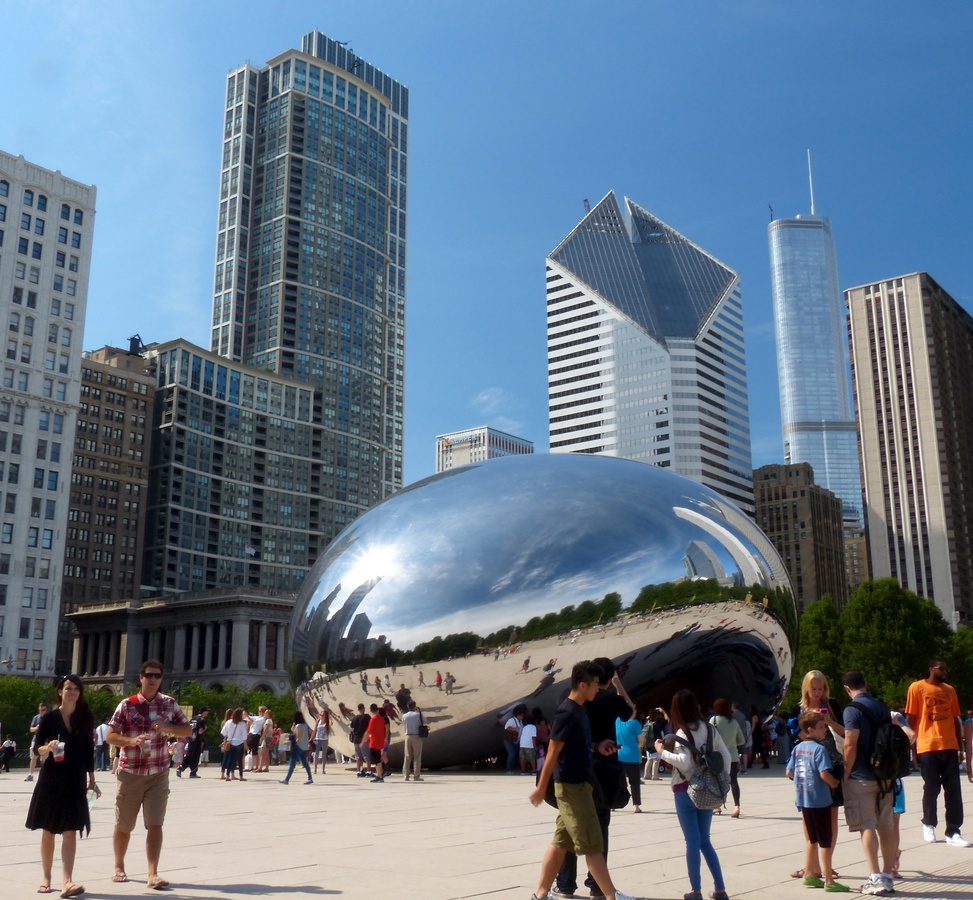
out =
column 589, row 760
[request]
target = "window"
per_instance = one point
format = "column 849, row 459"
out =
column 72, row 287
column 25, row 221
column 62, row 235
column 36, row 250
column 24, row 635
column 23, row 245
column 58, row 286
column 28, row 198
column 59, row 259
column 65, row 212
column 30, row 566
column 38, row 629
column 42, row 203
column 7, row 536
column 38, row 226
column 27, row 601
column 75, row 239
column 13, row 473
column 32, row 534
column 66, row 337
column 47, row 539
column 4, row 563
column 52, row 481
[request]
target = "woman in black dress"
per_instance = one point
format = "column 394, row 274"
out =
column 65, row 745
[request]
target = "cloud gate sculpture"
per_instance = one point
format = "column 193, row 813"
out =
column 583, row 555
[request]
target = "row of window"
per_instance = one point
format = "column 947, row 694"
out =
column 45, row 536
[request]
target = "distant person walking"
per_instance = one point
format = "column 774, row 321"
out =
column 413, row 726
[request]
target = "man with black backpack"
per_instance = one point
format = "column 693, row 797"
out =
column 868, row 803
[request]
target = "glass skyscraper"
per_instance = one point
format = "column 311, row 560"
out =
column 645, row 350
column 812, row 359
column 311, row 254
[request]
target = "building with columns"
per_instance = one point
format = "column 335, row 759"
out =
column 234, row 635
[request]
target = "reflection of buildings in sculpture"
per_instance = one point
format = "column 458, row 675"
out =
column 701, row 562
column 751, row 569
column 215, row 637
column 346, row 634
column 459, row 448
column 357, row 645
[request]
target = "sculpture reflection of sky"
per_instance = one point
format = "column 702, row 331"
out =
column 496, row 543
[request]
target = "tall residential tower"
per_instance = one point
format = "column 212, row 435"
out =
column 911, row 346
column 812, row 358
column 310, row 257
column 645, row 350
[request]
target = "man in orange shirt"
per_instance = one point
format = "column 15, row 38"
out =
column 374, row 741
column 932, row 709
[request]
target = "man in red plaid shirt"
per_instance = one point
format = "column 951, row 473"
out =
column 140, row 728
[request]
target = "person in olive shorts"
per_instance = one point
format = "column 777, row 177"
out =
column 569, row 763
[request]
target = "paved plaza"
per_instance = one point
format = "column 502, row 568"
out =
column 455, row 834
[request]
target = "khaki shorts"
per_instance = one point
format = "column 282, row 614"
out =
column 148, row 792
column 577, row 829
column 864, row 810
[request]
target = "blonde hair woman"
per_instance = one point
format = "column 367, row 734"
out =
column 816, row 697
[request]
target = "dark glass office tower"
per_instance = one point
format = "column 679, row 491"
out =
column 310, row 259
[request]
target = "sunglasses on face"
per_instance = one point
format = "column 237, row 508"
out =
column 151, row 674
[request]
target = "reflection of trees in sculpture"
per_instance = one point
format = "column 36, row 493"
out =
column 591, row 613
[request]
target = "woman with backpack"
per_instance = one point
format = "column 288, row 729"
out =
column 690, row 727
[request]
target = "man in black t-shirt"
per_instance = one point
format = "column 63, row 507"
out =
column 569, row 763
column 610, row 703
column 357, row 729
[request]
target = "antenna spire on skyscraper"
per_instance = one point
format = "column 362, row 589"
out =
column 810, row 179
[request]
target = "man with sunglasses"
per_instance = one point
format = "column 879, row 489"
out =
column 140, row 728
column 932, row 709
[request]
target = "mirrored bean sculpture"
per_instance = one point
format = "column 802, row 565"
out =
column 477, row 589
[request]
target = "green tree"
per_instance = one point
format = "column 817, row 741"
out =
column 819, row 647
column 959, row 657
column 890, row 633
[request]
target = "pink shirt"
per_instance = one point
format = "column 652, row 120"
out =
column 134, row 716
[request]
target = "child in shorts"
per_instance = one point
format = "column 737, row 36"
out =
column 809, row 767
column 569, row 763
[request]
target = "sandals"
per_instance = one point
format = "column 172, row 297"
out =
column 45, row 888
column 119, row 877
column 73, row 890
column 157, row 883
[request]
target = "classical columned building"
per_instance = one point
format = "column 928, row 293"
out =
column 213, row 637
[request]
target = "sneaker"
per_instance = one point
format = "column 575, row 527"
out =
column 309, row 781
column 377, row 778
column 929, row 834
column 29, row 778
column 195, row 776
column 178, row 773
column 620, row 896
column 811, row 881
column 876, row 886
column 719, row 895
column 417, row 778
column 835, row 888
column 406, row 777
column 957, row 840
column 282, row 781
column 692, row 895
column 557, row 892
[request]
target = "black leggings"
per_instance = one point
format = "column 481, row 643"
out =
column 735, row 783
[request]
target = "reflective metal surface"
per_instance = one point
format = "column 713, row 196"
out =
column 494, row 544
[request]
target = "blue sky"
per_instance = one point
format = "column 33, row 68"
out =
column 700, row 112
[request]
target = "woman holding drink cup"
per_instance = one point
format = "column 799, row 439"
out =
column 65, row 747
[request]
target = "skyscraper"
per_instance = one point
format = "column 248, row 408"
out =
column 911, row 346
column 474, row 444
column 310, row 259
column 645, row 350
column 812, row 358
column 46, row 230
